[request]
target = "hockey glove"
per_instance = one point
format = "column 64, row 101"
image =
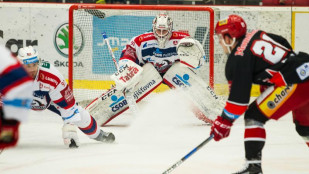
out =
column 190, row 52
column 69, row 136
column 221, row 128
column 128, row 75
column 8, row 133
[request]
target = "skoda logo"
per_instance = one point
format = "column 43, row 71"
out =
column 61, row 40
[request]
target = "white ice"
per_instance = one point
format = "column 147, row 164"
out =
column 149, row 143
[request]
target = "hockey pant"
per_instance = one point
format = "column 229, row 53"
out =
column 274, row 103
column 87, row 124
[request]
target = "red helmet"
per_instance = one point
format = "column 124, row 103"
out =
column 234, row 25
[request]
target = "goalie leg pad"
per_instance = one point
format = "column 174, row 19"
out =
column 113, row 102
column 196, row 89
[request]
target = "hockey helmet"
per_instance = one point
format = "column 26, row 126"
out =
column 28, row 55
column 234, row 25
column 162, row 26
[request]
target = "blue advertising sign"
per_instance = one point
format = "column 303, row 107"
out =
column 119, row 31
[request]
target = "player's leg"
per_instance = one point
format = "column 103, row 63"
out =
column 301, row 114
column 254, row 139
column 301, row 120
column 89, row 126
column 273, row 103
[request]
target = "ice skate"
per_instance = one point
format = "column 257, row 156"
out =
column 253, row 168
column 106, row 137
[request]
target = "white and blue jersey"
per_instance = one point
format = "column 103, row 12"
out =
column 15, row 87
column 144, row 48
column 51, row 91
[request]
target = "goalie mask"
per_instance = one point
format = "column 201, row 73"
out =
column 162, row 26
column 29, row 57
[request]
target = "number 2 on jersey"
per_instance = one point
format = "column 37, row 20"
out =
column 268, row 49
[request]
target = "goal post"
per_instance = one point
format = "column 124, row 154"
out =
column 90, row 64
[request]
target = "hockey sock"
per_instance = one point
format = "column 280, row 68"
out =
column 255, row 136
column 306, row 138
column 92, row 129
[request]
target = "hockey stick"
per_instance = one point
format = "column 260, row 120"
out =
column 105, row 38
column 127, row 94
column 169, row 170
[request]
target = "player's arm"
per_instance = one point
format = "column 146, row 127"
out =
column 130, row 52
column 237, row 103
column 129, row 72
column 62, row 96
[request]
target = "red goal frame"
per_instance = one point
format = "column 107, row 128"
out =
column 142, row 7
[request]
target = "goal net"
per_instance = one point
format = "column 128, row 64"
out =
column 121, row 23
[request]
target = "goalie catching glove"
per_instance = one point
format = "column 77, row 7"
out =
column 128, row 75
column 190, row 52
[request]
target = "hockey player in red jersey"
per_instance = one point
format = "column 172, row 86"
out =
column 268, row 60
column 50, row 91
column 15, row 97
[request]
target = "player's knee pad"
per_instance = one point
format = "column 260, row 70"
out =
column 255, row 114
column 302, row 130
column 252, row 122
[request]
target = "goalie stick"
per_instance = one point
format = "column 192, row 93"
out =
column 169, row 170
column 127, row 94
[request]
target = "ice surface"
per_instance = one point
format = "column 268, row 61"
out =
column 150, row 142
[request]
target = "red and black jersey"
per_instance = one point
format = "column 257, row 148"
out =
column 257, row 58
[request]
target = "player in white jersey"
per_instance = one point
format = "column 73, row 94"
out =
column 15, row 94
column 50, row 91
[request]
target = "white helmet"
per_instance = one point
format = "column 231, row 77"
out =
column 162, row 26
column 28, row 55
